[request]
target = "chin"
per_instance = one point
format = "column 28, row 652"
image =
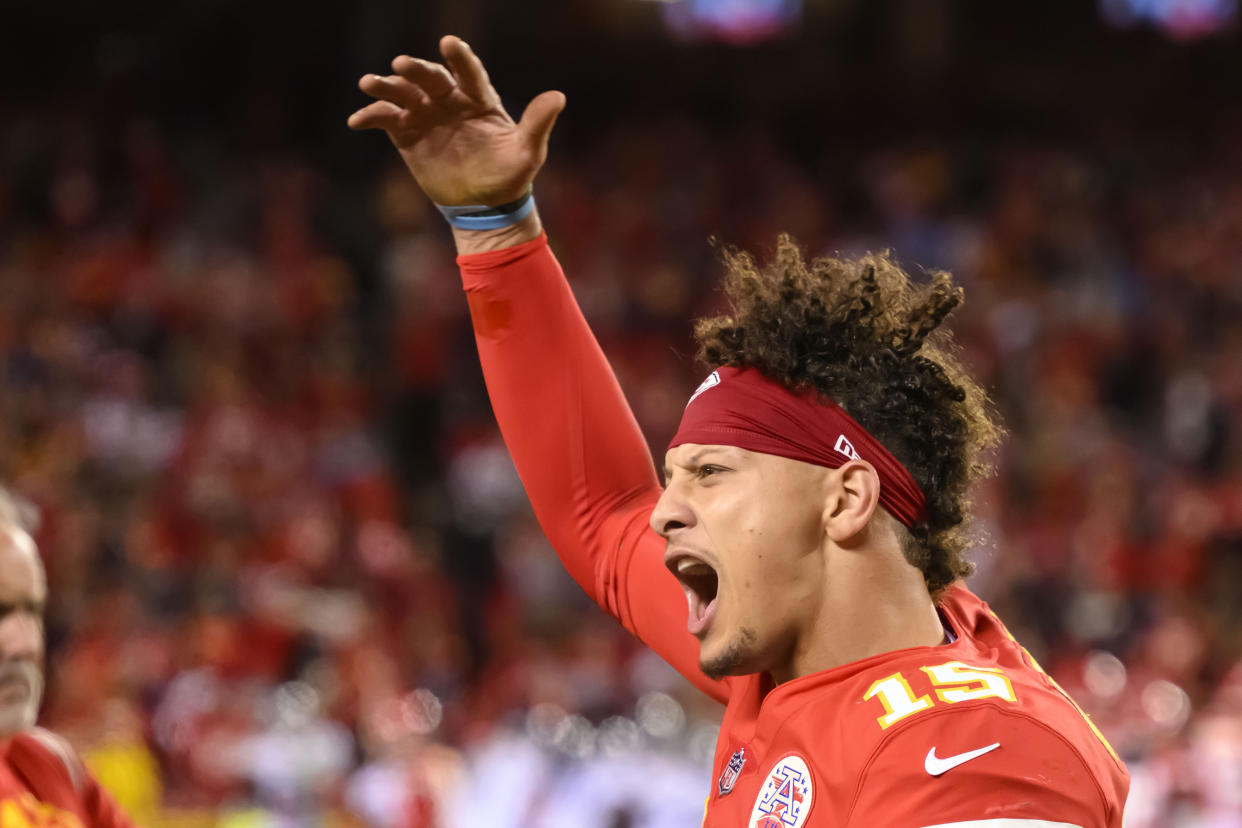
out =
column 15, row 719
column 734, row 657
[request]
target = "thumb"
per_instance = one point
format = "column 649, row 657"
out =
column 539, row 117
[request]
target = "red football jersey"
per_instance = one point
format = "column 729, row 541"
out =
column 43, row 784
column 970, row 733
column 958, row 734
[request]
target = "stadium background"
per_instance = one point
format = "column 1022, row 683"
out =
column 294, row 578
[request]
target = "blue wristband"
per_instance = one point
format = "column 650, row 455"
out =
column 482, row 217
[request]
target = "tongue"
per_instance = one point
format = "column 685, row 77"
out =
column 700, row 615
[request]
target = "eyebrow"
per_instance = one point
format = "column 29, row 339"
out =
column 33, row 606
column 691, row 461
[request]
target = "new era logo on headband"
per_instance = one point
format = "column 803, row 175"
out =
column 713, row 379
column 844, row 446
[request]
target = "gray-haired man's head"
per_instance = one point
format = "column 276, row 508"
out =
column 23, row 593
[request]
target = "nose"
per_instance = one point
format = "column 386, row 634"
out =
column 671, row 513
column 21, row 637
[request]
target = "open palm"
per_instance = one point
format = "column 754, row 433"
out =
column 451, row 130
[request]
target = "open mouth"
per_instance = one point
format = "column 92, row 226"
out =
column 701, row 584
column 14, row 688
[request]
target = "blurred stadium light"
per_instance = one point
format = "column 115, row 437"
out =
column 731, row 21
column 1181, row 19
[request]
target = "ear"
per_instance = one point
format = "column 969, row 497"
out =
column 853, row 494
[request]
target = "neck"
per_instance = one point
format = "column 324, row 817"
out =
column 873, row 602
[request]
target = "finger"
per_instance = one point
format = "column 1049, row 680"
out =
column 468, row 69
column 540, row 116
column 432, row 78
column 397, row 90
column 377, row 115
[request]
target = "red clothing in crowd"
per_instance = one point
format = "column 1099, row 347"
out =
column 43, row 784
column 970, row 733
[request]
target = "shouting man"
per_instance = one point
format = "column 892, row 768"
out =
column 811, row 519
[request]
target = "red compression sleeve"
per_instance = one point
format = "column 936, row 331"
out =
column 577, row 447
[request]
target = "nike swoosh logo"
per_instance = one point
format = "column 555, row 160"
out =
column 934, row 765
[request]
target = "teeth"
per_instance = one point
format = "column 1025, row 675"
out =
column 689, row 566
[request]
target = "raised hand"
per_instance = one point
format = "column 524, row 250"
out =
column 452, row 132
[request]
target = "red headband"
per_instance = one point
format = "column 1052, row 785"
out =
column 743, row 408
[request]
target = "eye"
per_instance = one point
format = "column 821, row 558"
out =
column 708, row 470
column 33, row 608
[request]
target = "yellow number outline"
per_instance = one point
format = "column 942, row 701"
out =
column 896, row 707
column 950, row 681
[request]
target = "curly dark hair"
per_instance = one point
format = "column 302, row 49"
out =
column 861, row 332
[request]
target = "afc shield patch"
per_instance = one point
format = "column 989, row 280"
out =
column 785, row 799
column 728, row 776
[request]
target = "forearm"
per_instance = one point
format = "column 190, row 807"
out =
column 576, row 445
column 565, row 421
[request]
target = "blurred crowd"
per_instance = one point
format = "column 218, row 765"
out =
column 294, row 576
